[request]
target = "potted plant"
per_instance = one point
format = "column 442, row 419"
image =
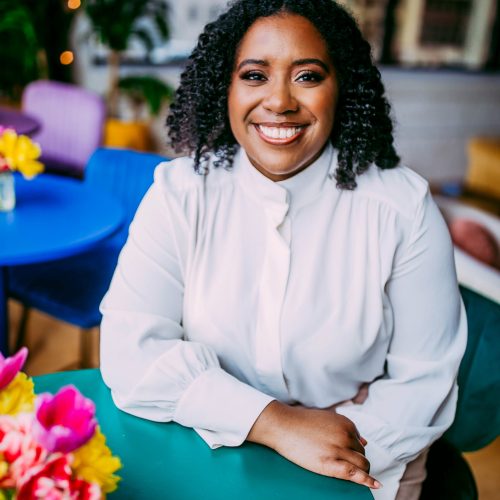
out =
column 18, row 50
column 116, row 22
column 32, row 43
column 146, row 95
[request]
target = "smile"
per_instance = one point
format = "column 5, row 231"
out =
column 280, row 135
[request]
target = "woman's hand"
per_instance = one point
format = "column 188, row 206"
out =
column 318, row 440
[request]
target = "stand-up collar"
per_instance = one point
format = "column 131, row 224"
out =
column 292, row 192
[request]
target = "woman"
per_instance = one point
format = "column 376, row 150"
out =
column 300, row 291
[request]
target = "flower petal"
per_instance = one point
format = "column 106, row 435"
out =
column 11, row 366
column 65, row 421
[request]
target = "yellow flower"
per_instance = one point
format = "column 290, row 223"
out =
column 18, row 396
column 20, row 153
column 4, row 467
column 94, row 463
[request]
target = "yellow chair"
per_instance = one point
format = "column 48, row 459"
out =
column 483, row 172
column 127, row 135
column 481, row 186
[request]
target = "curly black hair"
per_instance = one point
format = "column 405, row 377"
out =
column 198, row 122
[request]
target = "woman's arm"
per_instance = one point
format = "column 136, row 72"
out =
column 318, row 440
column 152, row 371
column 413, row 403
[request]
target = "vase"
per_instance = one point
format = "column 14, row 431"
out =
column 7, row 192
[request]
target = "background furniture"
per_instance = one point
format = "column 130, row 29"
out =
column 54, row 218
column 483, row 173
column 477, row 422
column 22, row 123
column 481, row 185
column 170, row 461
column 72, row 121
column 473, row 274
column 71, row 289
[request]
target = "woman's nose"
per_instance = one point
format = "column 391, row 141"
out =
column 280, row 98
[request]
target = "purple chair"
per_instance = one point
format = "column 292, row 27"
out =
column 72, row 123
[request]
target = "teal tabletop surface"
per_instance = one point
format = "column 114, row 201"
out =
column 168, row 461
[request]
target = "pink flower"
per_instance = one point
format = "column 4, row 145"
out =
column 53, row 481
column 50, row 480
column 10, row 367
column 18, row 448
column 65, row 421
column 4, row 166
column 85, row 491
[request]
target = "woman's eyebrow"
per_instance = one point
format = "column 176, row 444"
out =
column 318, row 62
column 298, row 62
column 258, row 62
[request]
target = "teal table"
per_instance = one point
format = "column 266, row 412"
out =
column 168, row 461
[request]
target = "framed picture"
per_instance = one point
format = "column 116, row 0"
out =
column 444, row 32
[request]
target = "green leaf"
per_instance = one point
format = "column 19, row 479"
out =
column 145, row 37
column 147, row 90
column 117, row 21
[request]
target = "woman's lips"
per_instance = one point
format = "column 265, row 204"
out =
column 279, row 135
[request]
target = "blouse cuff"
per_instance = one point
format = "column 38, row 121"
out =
column 220, row 408
column 385, row 470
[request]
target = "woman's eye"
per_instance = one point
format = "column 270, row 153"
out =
column 309, row 76
column 253, row 76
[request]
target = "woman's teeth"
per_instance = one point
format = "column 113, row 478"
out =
column 279, row 132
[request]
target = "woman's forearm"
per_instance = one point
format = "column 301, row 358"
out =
column 318, row 440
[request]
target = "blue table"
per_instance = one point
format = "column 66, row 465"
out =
column 162, row 461
column 55, row 217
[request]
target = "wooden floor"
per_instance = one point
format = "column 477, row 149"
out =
column 55, row 346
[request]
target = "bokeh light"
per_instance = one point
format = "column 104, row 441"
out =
column 66, row 57
column 74, row 4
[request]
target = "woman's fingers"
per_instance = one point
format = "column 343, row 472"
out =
column 321, row 441
column 356, row 459
column 343, row 469
column 362, row 440
column 357, row 445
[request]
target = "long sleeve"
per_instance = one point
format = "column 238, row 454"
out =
column 413, row 403
column 152, row 371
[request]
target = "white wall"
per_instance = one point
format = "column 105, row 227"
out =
column 437, row 112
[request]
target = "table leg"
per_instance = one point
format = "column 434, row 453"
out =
column 4, row 320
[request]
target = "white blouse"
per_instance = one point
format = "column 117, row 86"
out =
column 233, row 290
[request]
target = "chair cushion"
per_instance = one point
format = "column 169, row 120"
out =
column 477, row 422
column 476, row 240
column 70, row 289
column 72, row 119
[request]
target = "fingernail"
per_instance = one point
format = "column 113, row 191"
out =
column 377, row 484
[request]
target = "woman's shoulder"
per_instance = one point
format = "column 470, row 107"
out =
column 401, row 188
column 179, row 175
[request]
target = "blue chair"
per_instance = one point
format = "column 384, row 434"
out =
column 477, row 422
column 71, row 289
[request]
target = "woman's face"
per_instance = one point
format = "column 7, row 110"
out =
column 282, row 95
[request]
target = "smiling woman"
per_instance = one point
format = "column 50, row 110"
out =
column 362, row 130
column 283, row 95
column 300, row 291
